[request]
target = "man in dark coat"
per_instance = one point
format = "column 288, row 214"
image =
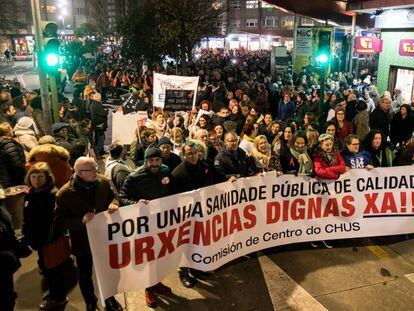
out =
column 12, row 159
column 77, row 202
column 168, row 158
column 9, row 261
column 232, row 162
column 148, row 182
column 380, row 118
column 191, row 174
column 99, row 123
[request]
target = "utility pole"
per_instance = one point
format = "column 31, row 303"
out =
column 44, row 89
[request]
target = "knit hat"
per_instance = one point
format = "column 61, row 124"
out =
column 164, row 141
column 56, row 127
column 324, row 137
column 152, row 152
column 25, row 123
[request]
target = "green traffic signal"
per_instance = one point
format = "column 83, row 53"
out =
column 52, row 59
column 322, row 58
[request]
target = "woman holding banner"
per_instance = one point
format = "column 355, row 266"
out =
column 295, row 159
column 328, row 163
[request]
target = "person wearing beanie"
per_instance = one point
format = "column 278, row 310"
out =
column 150, row 181
column 25, row 135
column 169, row 158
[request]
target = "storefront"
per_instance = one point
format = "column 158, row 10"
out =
column 396, row 61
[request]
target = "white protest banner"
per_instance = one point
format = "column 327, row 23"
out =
column 175, row 92
column 124, row 125
column 141, row 244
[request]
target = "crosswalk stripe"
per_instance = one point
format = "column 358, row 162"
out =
column 284, row 292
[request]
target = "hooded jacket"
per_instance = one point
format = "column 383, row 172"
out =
column 56, row 157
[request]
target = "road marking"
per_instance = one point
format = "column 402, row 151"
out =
column 378, row 251
column 285, row 293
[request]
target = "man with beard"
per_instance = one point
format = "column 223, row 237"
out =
column 168, row 158
column 148, row 182
column 191, row 174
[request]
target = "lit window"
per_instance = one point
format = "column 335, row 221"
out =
column 251, row 22
column 235, row 4
column 288, row 21
column 235, row 23
column 252, row 4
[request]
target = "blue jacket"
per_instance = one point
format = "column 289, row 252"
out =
column 356, row 160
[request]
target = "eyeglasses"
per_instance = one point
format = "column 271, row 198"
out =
column 94, row 169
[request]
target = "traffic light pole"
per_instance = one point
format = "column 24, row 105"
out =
column 53, row 91
column 44, row 89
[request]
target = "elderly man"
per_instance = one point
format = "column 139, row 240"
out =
column 232, row 162
column 148, row 182
column 84, row 195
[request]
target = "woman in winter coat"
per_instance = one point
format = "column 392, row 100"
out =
column 159, row 124
column 280, row 143
column 361, row 120
column 265, row 159
column 376, row 144
column 25, row 135
column 37, row 221
column 295, row 159
column 343, row 127
column 328, row 163
column 402, row 125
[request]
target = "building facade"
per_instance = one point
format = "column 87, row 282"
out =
column 17, row 36
column 116, row 9
column 255, row 25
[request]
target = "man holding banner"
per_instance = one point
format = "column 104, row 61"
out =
column 77, row 202
column 148, row 182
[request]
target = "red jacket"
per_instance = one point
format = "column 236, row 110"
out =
column 324, row 170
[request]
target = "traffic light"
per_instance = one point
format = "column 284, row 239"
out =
column 51, row 45
column 323, row 54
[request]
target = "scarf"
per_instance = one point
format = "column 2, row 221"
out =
column 327, row 157
column 80, row 184
column 305, row 162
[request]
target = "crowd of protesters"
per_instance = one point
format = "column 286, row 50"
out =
column 245, row 123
